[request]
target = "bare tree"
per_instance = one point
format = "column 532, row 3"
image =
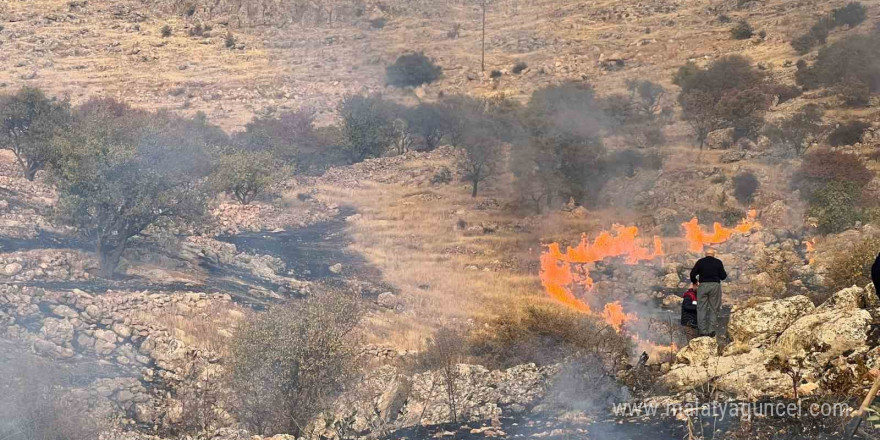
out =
column 445, row 351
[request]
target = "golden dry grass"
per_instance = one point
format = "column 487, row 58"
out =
column 205, row 328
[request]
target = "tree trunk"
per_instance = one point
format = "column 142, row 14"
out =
column 538, row 206
column 476, row 186
column 109, row 256
column 30, row 173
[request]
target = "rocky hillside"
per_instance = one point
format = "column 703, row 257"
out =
column 289, row 56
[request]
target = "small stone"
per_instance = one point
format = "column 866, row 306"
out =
column 336, row 268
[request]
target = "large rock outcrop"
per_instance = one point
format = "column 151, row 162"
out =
column 828, row 339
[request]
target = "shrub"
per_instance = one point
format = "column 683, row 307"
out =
column 34, row 405
column 848, row 133
column 246, row 174
column 286, row 364
column 519, row 67
column 744, row 186
column 852, row 266
column 852, row 15
column 784, row 92
column 378, row 23
column 824, row 166
column 412, row 70
column 229, row 42
column 495, row 74
column 545, row 334
column 442, row 177
column 848, row 66
column 455, row 32
column 835, row 206
column 742, row 31
column 367, row 127
column 165, row 31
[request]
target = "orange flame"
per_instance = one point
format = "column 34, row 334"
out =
column 811, row 247
column 560, row 272
column 615, row 317
column 697, row 239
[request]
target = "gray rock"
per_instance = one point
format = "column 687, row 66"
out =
column 12, row 269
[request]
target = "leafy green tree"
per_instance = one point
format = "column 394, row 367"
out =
column 367, row 127
column 847, row 66
column 246, row 174
column 30, row 127
column 563, row 125
column 115, row 181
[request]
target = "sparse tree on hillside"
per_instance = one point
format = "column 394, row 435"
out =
column 564, row 132
column 429, row 122
column 481, row 154
column 286, row 364
column 367, row 127
column 30, row 127
column 796, row 133
column 729, row 93
column 113, row 183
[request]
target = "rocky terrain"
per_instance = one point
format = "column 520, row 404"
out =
column 146, row 352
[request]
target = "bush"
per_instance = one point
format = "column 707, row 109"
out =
column 825, row 166
column 724, row 18
column 817, row 35
column 519, row 67
column 848, row 133
column 848, row 66
column 229, row 42
column 246, row 174
column 495, row 74
column 285, row 365
column 367, row 127
column 850, row 15
column 785, row 93
column 744, row 186
column 378, row 23
column 852, row 266
column 412, row 70
column 835, row 206
column 545, row 334
column 742, row 31
column 442, row 177
column 165, row 31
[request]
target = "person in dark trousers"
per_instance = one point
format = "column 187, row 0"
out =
column 707, row 276
column 875, row 275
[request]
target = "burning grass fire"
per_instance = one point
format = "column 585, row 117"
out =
column 566, row 275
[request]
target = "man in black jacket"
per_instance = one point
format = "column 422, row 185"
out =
column 707, row 276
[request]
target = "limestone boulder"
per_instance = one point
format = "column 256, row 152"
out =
column 827, row 334
column 767, row 319
column 698, row 351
